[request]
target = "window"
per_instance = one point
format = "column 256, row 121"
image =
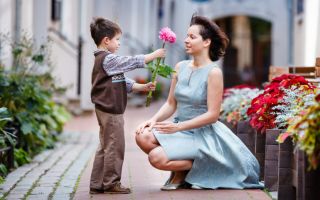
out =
column 300, row 6
column 56, row 10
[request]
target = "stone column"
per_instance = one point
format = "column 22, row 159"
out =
column 41, row 18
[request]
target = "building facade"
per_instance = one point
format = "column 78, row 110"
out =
column 289, row 33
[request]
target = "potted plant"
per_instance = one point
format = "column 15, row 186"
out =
column 234, row 111
column 263, row 116
column 236, row 101
column 295, row 101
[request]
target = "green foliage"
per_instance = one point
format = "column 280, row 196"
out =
column 309, row 127
column 26, row 93
column 305, row 132
column 3, row 169
column 3, row 172
column 163, row 69
column 33, row 110
column 21, row 157
column 29, row 57
column 5, row 135
column 158, row 68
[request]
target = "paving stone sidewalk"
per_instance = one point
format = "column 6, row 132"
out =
column 144, row 180
column 54, row 173
column 64, row 172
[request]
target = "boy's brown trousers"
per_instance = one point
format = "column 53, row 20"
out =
column 107, row 166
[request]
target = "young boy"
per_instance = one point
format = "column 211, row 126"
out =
column 109, row 94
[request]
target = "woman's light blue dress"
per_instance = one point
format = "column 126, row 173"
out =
column 221, row 160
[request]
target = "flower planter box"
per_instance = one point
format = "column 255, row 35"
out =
column 294, row 181
column 246, row 134
column 286, row 170
column 271, row 179
column 255, row 141
column 306, row 183
column 259, row 151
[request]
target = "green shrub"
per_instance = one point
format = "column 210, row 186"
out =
column 26, row 90
column 21, row 157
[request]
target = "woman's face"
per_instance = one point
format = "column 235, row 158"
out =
column 194, row 42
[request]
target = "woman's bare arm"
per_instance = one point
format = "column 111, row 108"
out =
column 167, row 109
column 214, row 99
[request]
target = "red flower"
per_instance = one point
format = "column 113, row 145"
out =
column 261, row 110
column 318, row 98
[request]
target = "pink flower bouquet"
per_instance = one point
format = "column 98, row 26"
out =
column 166, row 35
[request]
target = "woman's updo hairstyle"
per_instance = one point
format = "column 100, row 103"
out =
column 210, row 30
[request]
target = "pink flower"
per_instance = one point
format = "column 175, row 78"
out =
column 167, row 35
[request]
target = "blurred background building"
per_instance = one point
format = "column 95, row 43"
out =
column 262, row 33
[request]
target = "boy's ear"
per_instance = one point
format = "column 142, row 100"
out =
column 106, row 40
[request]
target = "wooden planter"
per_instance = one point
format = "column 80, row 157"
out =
column 271, row 171
column 305, row 182
column 259, row 151
column 286, row 166
column 246, row 134
column 286, row 170
column 295, row 181
column 254, row 140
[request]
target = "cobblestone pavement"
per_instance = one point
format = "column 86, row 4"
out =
column 64, row 172
column 145, row 181
column 53, row 174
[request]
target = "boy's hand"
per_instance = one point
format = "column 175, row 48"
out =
column 160, row 53
column 149, row 87
column 137, row 87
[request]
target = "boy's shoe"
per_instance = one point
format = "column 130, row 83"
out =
column 118, row 189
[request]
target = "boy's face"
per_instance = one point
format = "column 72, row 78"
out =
column 114, row 44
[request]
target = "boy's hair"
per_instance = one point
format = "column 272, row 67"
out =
column 101, row 27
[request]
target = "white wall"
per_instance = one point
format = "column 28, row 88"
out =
column 299, row 42
column 307, row 34
column 87, row 58
column 6, row 21
column 311, row 31
column 318, row 34
column 27, row 17
column 70, row 20
column 64, row 60
column 139, row 19
column 41, row 19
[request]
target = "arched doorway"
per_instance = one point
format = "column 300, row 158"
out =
column 248, row 56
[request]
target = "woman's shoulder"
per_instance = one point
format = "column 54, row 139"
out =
column 182, row 64
column 215, row 71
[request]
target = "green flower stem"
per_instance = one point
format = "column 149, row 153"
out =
column 153, row 78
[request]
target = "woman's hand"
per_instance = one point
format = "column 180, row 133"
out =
column 150, row 124
column 167, row 127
